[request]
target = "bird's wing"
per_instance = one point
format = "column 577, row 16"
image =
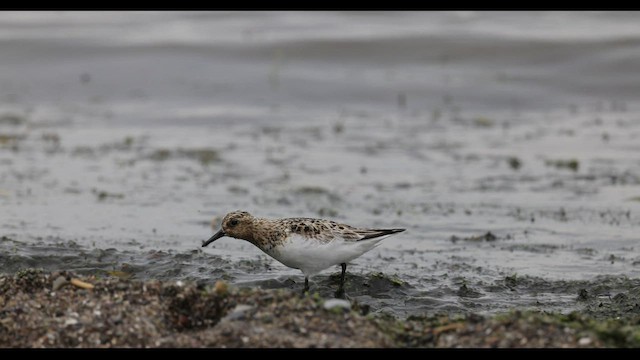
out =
column 366, row 234
column 326, row 231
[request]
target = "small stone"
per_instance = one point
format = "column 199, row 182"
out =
column 221, row 287
column 59, row 282
column 238, row 313
column 121, row 286
column 70, row 321
column 584, row 341
column 337, row 303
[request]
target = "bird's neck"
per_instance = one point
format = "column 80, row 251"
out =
column 264, row 234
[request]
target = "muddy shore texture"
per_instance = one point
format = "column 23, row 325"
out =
column 61, row 309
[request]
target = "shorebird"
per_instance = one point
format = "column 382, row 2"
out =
column 310, row 245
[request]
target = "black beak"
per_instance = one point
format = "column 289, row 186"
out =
column 215, row 237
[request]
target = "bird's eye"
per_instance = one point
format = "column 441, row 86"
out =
column 233, row 222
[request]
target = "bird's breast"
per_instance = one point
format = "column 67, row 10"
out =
column 311, row 255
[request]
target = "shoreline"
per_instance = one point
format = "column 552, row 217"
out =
column 63, row 309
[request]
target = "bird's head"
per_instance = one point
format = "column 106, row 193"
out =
column 237, row 224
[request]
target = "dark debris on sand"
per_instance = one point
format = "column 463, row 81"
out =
column 117, row 313
column 39, row 309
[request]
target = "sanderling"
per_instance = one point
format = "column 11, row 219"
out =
column 310, row 245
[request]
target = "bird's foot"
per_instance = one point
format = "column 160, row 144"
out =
column 340, row 294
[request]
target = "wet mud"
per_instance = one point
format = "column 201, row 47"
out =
column 59, row 309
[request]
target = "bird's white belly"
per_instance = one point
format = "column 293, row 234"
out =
column 312, row 256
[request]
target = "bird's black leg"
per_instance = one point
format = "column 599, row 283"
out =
column 340, row 292
column 306, row 285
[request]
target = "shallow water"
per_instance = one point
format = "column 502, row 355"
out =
column 123, row 134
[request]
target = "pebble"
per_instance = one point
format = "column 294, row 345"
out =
column 59, row 282
column 238, row 313
column 70, row 321
column 584, row 341
column 337, row 303
column 122, row 286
